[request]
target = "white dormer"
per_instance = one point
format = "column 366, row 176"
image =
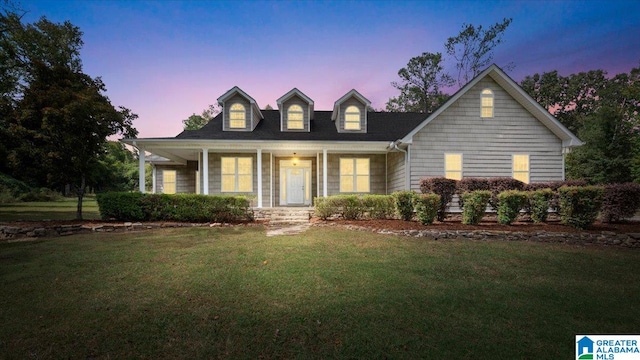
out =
column 350, row 113
column 240, row 112
column 296, row 111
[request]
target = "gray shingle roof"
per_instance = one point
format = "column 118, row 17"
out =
column 382, row 126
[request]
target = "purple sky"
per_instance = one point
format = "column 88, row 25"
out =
column 166, row 60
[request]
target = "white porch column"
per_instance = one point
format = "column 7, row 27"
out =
column 259, row 169
column 141, row 174
column 205, row 171
column 154, row 175
column 324, row 172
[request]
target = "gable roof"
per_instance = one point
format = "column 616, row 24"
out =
column 236, row 90
column 290, row 94
column 568, row 138
column 383, row 126
column 354, row 93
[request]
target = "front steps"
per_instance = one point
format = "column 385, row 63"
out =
column 283, row 215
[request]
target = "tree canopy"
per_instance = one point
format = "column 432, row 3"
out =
column 55, row 119
column 195, row 122
column 473, row 48
column 604, row 112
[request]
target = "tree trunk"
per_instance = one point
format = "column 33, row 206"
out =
column 80, row 192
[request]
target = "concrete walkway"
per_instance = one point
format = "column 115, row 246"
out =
column 288, row 230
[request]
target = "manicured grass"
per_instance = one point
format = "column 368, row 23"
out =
column 64, row 209
column 327, row 293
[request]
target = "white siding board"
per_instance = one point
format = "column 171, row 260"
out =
column 487, row 144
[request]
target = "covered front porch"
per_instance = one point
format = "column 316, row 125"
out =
column 272, row 175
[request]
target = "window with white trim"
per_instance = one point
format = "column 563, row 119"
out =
column 486, row 103
column 352, row 118
column 237, row 116
column 237, row 174
column 521, row 168
column 295, row 117
column 168, row 181
column 354, row 175
column 453, row 166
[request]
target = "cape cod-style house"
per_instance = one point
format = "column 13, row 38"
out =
column 288, row 156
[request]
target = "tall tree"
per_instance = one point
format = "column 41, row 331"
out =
column 473, row 48
column 195, row 122
column 421, row 84
column 56, row 119
column 603, row 112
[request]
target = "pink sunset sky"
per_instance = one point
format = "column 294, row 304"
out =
column 166, row 60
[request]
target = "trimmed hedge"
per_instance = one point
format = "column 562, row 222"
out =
column 620, row 201
column 443, row 187
column 404, row 204
column 475, row 206
column 510, row 203
column 378, row 206
column 579, row 205
column 469, row 185
column 427, row 207
column 538, row 204
column 126, row 206
column 353, row 207
column 500, row 184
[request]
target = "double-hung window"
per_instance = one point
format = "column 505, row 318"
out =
column 354, row 175
column 237, row 174
column 486, row 103
column 237, row 116
column 168, row 181
column 521, row 168
column 295, row 118
column 352, row 118
column 453, row 166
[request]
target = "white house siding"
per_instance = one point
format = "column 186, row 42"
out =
column 486, row 144
column 295, row 100
column 395, row 171
column 377, row 172
column 185, row 179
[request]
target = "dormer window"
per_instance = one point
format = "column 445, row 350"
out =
column 486, row 103
column 352, row 118
column 295, row 118
column 237, row 116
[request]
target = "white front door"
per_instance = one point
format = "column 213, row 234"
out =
column 295, row 186
column 295, row 182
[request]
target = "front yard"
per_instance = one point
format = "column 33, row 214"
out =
column 326, row 293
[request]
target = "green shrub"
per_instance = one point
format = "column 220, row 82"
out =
column 469, row 185
column 539, row 202
column 444, row 187
column 427, row 207
column 41, row 195
column 324, row 207
column 378, row 206
column 579, row 205
column 14, row 186
column 404, row 204
column 620, row 201
column 510, row 203
column 475, row 206
column 500, row 184
column 126, row 206
column 121, row 206
column 349, row 206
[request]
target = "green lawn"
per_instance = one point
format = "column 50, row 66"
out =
column 54, row 210
column 327, row 293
